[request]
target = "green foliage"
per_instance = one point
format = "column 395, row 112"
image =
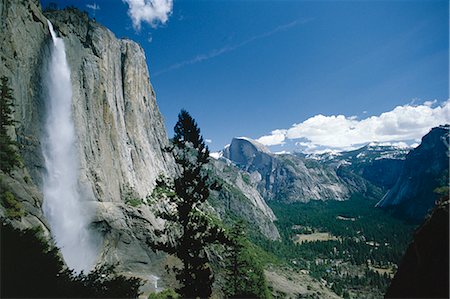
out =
column 134, row 202
column 31, row 268
column 166, row 294
column 370, row 224
column 13, row 207
column 368, row 234
column 8, row 156
column 131, row 197
column 246, row 178
column 443, row 189
column 245, row 276
column 194, row 230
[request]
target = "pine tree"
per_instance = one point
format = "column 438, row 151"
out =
column 33, row 268
column 191, row 229
column 8, row 156
column 245, row 276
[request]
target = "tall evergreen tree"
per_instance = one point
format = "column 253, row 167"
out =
column 8, row 156
column 191, row 229
column 245, row 276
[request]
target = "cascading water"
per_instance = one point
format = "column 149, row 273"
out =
column 64, row 206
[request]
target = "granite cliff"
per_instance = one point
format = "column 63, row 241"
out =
column 424, row 170
column 120, row 134
column 23, row 40
column 119, row 129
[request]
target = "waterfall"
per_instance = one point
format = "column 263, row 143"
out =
column 64, row 205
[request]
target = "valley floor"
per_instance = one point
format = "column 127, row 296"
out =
column 338, row 248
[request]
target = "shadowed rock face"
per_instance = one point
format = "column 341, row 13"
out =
column 425, row 169
column 383, row 172
column 24, row 39
column 424, row 270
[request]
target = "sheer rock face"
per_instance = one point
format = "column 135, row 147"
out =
column 120, row 131
column 23, row 36
column 23, row 39
column 424, row 170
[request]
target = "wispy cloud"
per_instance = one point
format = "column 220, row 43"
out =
column 228, row 48
column 151, row 12
column 93, row 6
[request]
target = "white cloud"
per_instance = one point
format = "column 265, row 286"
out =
column 276, row 137
column 403, row 123
column 149, row 11
column 429, row 103
column 93, row 6
column 208, row 140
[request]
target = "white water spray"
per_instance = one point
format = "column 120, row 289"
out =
column 155, row 280
column 63, row 204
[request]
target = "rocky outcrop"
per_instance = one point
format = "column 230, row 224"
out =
column 238, row 197
column 423, row 271
column 425, row 169
column 292, row 177
column 27, row 198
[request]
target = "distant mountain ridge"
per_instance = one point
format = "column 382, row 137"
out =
column 380, row 164
column 368, row 152
column 292, row 177
column 373, row 170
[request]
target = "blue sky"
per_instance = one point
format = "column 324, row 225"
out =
column 246, row 68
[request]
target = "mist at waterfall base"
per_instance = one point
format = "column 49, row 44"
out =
column 64, row 206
